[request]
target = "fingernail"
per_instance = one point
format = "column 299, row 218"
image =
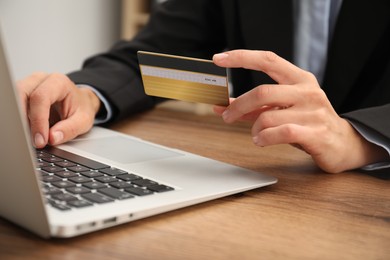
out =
column 39, row 140
column 220, row 56
column 255, row 140
column 57, row 137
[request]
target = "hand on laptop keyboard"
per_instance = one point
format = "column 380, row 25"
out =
column 57, row 110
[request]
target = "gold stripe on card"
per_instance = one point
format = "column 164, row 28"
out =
column 185, row 90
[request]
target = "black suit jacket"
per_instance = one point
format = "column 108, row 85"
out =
column 357, row 75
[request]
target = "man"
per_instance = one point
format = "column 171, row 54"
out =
column 285, row 103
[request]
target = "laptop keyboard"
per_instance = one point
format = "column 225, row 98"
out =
column 71, row 181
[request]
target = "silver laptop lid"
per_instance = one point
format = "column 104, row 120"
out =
column 20, row 197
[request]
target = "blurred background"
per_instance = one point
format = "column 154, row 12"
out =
column 58, row 35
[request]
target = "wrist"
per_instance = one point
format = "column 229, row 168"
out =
column 363, row 152
column 94, row 100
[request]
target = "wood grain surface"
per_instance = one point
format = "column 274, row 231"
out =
column 308, row 214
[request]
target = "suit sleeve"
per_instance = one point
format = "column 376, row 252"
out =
column 190, row 28
column 375, row 118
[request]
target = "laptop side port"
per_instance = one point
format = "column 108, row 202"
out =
column 109, row 221
column 86, row 226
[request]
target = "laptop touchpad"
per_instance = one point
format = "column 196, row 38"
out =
column 123, row 150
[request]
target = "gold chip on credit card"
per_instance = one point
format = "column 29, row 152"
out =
column 183, row 78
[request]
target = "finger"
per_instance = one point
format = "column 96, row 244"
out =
column 254, row 115
column 276, row 117
column 219, row 110
column 69, row 128
column 264, row 95
column 27, row 85
column 283, row 134
column 268, row 62
column 53, row 89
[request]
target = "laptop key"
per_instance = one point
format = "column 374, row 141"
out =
column 78, row 168
column 80, row 179
column 144, row 182
column 116, row 194
column 94, row 185
column 66, row 174
column 78, row 190
column 63, row 184
column 65, row 164
column 120, row 184
column 40, row 154
column 139, row 191
column 79, row 203
column 113, row 171
column 60, row 206
column 50, row 178
column 106, row 179
column 160, row 188
column 41, row 164
column 96, row 197
column 91, row 174
column 129, row 177
column 64, row 197
column 52, row 169
column 51, row 190
column 52, row 159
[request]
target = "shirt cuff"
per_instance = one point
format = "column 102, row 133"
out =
column 107, row 114
column 375, row 138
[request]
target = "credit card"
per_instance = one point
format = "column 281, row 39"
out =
column 183, row 78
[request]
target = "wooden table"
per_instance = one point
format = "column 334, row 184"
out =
column 308, row 214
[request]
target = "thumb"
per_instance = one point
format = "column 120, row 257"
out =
column 69, row 128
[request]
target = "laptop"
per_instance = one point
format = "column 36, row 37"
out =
column 101, row 179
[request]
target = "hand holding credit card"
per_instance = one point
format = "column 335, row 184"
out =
column 183, row 78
